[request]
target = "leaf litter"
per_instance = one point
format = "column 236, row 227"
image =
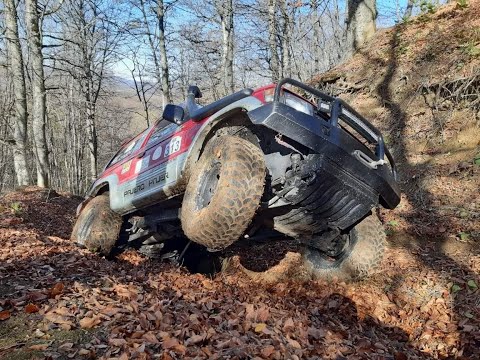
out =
column 83, row 306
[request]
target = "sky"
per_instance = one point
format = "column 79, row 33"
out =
column 389, row 11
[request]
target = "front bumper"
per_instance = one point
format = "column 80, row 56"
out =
column 323, row 134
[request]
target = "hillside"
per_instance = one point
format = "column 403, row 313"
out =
column 419, row 83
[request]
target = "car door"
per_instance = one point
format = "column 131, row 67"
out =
column 150, row 168
column 119, row 172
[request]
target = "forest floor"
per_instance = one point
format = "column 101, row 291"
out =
column 58, row 301
column 419, row 83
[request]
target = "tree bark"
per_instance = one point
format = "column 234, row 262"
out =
column 163, row 52
column 34, row 39
column 285, row 71
column 272, row 39
column 225, row 10
column 408, row 10
column 361, row 17
column 18, row 75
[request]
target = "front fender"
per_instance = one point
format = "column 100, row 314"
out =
column 241, row 106
column 108, row 183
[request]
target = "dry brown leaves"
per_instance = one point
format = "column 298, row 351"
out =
column 134, row 308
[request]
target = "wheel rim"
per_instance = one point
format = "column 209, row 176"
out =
column 208, row 185
column 332, row 259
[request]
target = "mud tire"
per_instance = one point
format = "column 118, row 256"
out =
column 361, row 260
column 97, row 227
column 219, row 220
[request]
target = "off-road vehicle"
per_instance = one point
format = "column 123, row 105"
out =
column 263, row 164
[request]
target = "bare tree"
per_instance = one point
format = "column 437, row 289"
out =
column 163, row 51
column 18, row 76
column 360, row 21
column 409, row 9
column 154, row 31
column 34, row 39
column 272, row 39
column 225, row 11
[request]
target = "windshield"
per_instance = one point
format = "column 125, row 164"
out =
column 128, row 149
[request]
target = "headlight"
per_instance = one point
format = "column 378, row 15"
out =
column 291, row 100
column 298, row 103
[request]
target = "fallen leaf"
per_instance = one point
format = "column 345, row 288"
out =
column 67, row 346
column 57, row 319
column 150, row 338
column 89, row 322
column 57, row 289
column 169, row 343
column 110, row 311
column 195, row 339
column 117, row 342
column 124, row 356
column 260, row 327
column 294, row 343
column 249, row 312
column 40, row 347
column 315, row 333
column 37, row 296
column 263, row 314
column 31, row 308
column 268, row 351
column 472, row 284
column 288, row 325
column 4, row 315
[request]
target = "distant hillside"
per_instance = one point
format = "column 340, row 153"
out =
column 419, row 83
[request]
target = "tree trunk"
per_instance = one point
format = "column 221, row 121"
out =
column 163, row 52
column 38, row 91
column 408, row 10
column 286, row 71
column 361, row 17
column 151, row 43
column 316, row 35
column 272, row 39
column 225, row 10
column 18, row 75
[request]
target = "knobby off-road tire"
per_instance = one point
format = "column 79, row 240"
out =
column 97, row 227
column 360, row 259
column 223, row 192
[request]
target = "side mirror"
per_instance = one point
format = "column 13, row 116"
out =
column 173, row 113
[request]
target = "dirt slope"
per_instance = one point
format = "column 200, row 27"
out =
column 420, row 83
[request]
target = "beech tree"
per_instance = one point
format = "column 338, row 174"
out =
column 225, row 12
column 34, row 39
column 16, row 67
column 361, row 22
column 153, row 29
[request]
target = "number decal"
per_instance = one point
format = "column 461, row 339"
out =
column 173, row 146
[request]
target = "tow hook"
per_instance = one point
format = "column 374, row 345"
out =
column 367, row 161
